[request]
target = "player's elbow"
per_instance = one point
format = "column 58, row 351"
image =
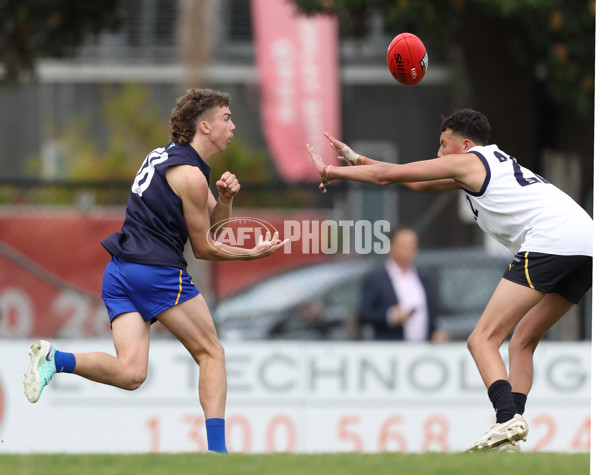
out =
column 383, row 176
column 202, row 249
column 212, row 251
column 203, row 252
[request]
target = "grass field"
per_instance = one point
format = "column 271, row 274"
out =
column 287, row 464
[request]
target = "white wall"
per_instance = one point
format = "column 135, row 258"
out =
column 296, row 397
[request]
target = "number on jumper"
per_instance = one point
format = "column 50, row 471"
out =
column 518, row 172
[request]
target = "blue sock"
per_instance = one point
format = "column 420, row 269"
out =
column 215, row 433
column 65, row 362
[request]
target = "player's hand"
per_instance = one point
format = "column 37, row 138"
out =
column 344, row 152
column 228, row 186
column 267, row 245
column 321, row 168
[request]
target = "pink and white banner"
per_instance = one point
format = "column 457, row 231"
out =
column 297, row 59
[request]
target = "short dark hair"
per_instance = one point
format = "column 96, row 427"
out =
column 470, row 124
column 190, row 108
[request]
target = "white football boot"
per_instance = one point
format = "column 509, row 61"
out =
column 500, row 434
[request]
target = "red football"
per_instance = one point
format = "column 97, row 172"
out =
column 407, row 59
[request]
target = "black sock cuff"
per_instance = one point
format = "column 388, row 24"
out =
column 500, row 394
column 499, row 386
column 520, row 401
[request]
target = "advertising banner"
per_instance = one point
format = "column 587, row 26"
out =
column 51, row 266
column 52, row 263
column 298, row 397
column 298, row 65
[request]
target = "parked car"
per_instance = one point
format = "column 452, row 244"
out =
column 462, row 282
column 320, row 301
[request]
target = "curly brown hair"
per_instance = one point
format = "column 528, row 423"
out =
column 189, row 109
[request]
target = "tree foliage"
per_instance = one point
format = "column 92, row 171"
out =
column 553, row 40
column 31, row 29
column 133, row 128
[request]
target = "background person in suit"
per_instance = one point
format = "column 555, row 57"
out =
column 394, row 299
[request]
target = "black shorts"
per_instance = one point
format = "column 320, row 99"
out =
column 569, row 276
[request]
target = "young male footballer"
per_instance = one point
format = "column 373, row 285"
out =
column 549, row 233
column 146, row 279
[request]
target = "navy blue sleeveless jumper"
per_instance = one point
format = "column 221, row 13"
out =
column 154, row 230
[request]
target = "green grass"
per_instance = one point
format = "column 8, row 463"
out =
column 288, row 464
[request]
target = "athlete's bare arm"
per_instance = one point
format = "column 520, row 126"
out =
column 433, row 185
column 220, row 209
column 190, row 185
column 449, row 172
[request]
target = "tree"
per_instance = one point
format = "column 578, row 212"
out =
column 527, row 64
column 31, row 29
column 132, row 127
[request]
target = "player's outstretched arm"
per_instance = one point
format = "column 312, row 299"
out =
column 348, row 155
column 433, row 185
column 374, row 174
column 352, row 158
column 345, row 154
column 426, row 175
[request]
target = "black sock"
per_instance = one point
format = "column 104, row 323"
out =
column 500, row 393
column 520, row 400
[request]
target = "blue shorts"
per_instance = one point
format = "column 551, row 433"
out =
column 149, row 290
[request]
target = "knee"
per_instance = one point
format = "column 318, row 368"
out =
column 215, row 350
column 134, row 379
column 211, row 349
column 477, row 340
column 472, row 342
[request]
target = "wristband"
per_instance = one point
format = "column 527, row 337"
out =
column 326, row 172
column 360, row 160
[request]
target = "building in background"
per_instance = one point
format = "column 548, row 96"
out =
column 166, row 46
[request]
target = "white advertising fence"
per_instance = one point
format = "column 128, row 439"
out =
column 296, row 397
